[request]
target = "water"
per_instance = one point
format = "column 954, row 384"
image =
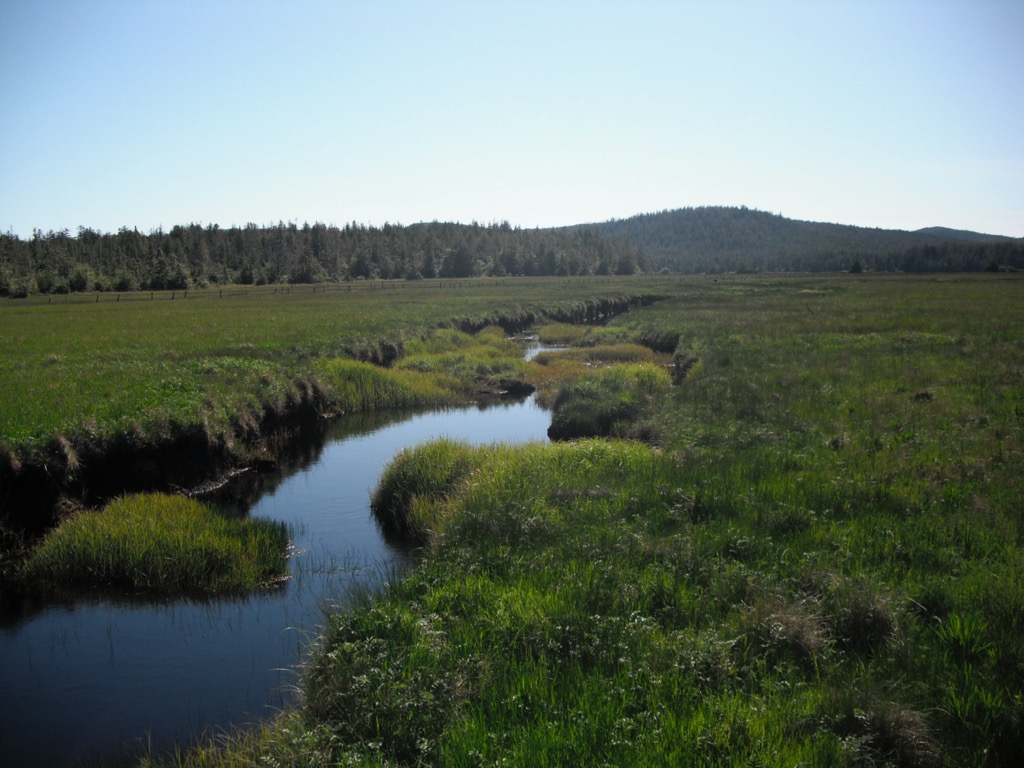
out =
column 95, row 677
column 532, row 347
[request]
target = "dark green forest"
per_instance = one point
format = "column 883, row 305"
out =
column 690, row 240
column 721, row 239
column 196, row 256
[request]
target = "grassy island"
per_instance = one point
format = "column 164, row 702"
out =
column 162, row 543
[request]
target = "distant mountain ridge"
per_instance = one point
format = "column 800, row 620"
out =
column 966, row 234
column 740, row 239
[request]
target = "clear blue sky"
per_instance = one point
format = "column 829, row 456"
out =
column 141, row 113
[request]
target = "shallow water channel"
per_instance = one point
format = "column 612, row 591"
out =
column 98, row 677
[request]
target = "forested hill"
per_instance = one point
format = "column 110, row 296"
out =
column 194, row 256
column 720, row 239
column 964, row 234
column 709, row 239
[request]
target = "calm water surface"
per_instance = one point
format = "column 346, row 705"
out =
column 96, row 677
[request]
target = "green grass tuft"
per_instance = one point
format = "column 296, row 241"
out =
column 358, row 386
column 408, row 500
column 162, row 543
column 607, row 403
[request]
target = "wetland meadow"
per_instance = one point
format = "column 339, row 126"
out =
column 780, row 521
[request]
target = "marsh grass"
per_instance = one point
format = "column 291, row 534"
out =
column 575, row 335
column 550, row 372
column 161, row 543
column 416, row 483
column 584, row 351
column 201, row 385
column 562, row 334
column 486, row 360
column 816, row 566
column 805, row 573
column 607, row 403
column 554, row 621
column 603, row 354
column 357, row 386
column 91, row 372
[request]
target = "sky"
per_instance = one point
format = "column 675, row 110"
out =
column 897, row 114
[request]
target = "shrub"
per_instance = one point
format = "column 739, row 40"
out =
column 81, row 278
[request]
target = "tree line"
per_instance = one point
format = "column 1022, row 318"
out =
column 195, row 256
column 690, row 240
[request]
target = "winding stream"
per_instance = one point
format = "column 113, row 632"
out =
column 98, row 677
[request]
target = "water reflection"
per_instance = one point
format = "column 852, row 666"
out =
column 88, row 673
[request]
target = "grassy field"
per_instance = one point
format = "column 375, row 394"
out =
column 814, row 560
column 813, row 557
column 83, row 369
column 102, row 392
